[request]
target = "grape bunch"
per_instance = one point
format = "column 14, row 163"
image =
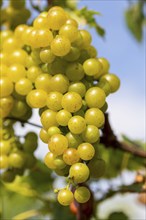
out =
column 52, row 66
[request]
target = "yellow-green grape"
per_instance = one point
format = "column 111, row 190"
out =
column 94, row 116
column 30, row 161
column 4, row 161
column 77, row 87
column 48, row 119
column 11, row 44
column 62, row 117
column 73, row 54
column 43, row 81
column 25, row 36
column 40, row 38
column 18, row 56
column 56, row 18
column 105, row 65
column 92, row 67
column 73, row 140
column 69, row 31
column 17, row 159
column 59, row 163
column 71, row 156
column 54, row 101
column 59, row 83
column 113, row 81
column 8, row 176
column 105, row 86
column 82, row 194
column 36, row 98
column 49, row 160
column 16, row 72
column 5, row 34
column 57, row 66
column 3, row 70
column 6, row 87
column 43, row 14
column 41, row 22
column 86, row 151
column 44, row 136
column 71, row 101
column 20, row 108
column 65, row 197
column 86, row 38
column 92, row 51
column 33, row 72
column 58, row 143
column 97, row 167
column 77, row 124
column 91, row 134
column 60, row 46
column 104, row 107
column 6, row 105
column 74, row 72
column 29, row 62
column 72, row 21
column 53, row 130
column 79, row 172
column 95, row 97
column 4, row 58
column 5, row 147
column 19, row 31
column 46, row 55
column 23, row 86
column 63, row 172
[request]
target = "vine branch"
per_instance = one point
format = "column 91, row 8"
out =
column 24, row 121
column 109, row 139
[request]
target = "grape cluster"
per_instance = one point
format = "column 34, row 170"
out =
column 16, row 156
column 52, row 66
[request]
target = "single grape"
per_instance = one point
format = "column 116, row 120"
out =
column 79, row 172
column 73, row 54
column 77, row 87
column 71, row 101
column 95, row 97
column 20, row 108
column 8, row 176
column 46, row 55
column 18, row 56
column 36, row 98
column 43, row 81
column 17, row 159
column 60, row 46
column 91, row 134
column 92, row 67
column 6, row 87
column 86, row 38
column 62, row 117
column 71, row 156
column 69, row 31
column 33, row 72
column 86, row 151
column 73, row 140
column 44, row 136
column 65, row 197
column 58, row 144
column 113, row 80
column 77, row 124
column 48, row 119
column 41, row 22
column 54, row 101
column 74, row 72
column 59, row 83
column 23, row 86
column 49, row 160
column 94, row 116
column 59, row 163
column 82, row 194
column 105, row 65
column 72, row 21
column 62, row 172
column 16, row 72
column 4, row 161
column 56, row 18
column 6, row 105
column 53, row 130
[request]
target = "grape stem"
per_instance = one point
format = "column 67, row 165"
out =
column 24, row 122
column 109, row 139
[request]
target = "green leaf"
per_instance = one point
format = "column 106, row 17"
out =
column 118, row 215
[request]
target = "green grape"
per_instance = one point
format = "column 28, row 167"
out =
column 69, row 31
column 17, row 159
column 86, row 151
column 95, row 97
column 57, row 66
column 49, row 160
column 46, row 55
column 6, row 105
column 30, row 145
column 105, row 65
column 105, row 86
column 36, row 98
column 59, row 163
column 44, row 136
column 71, row 21
column 71, row 156
column 41, row 22
column 54, row 101
column 77, row 87
column 62, row 117
column 58, row 144
column 77, row 124
column 53, row 130
column 33, row 72
column 92, row 67
column 40, row 38
column 18, row 32
column 79, row 172
column 16, row 72
column 6, row 87
column 18, row 56
column 82, row 194
column 113, row 80
column 91, row 134
column 86, row 38
column 23, row 86
column 8, row 176
column 30, row 161
column 71, row 101
column 48, row 119
column 59, row 83
column 74, row 72
column 63, row 172
column 35, row 54
column 60, row 46
column 4, row 162
column 73, row 140
column 29, row 62
column 73, row 54
column 20, row 108
column 94, row 116
column 56, row 18
column 5, row 147
column 43, row 81
column 65, row 197
column 96, row 167
column 92, row 51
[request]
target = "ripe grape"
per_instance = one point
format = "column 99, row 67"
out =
column 58, row 144
column 65, row 197
column 62, row 117
column 71, row 156
column 48, row 119
column 92, row 67
column 44, row 136
column 23, row 86
column 71, row 101
column 6, row 87
column 60, row 46
column 54, row 101
column 79, row 172
column 113, row 81
column 86, row 151
column 77, row 124
column 91, row 134
column 36, row 98
column 82, row 194
column 4, row 161
column 94, row 116
column 95, row 97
